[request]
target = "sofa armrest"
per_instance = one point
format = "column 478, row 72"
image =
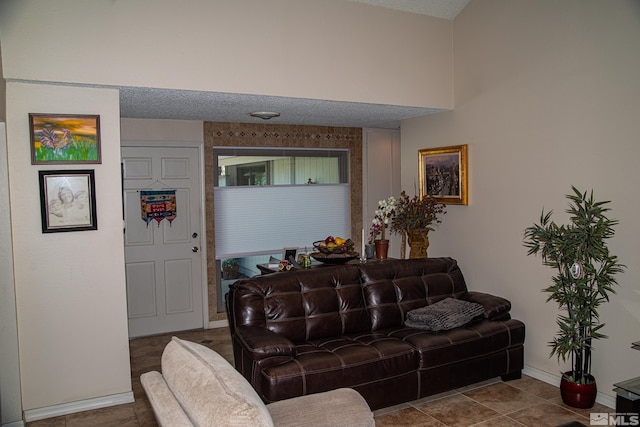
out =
column 262, row 343
column 495, row 308
column 343, row 406
column 166, row 408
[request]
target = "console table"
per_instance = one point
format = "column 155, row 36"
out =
column 628, row 393
column 273, row 268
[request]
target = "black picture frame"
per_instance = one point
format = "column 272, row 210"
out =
column 289, row 252
column 68, row 200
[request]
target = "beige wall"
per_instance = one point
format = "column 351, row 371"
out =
column 72, row 315
column 70, row 287
column 161, row 130
column 547, row 96
column 3, row 91
column 330, row 49
column 10, row 401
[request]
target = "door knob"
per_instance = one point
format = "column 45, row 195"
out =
column 195, row 249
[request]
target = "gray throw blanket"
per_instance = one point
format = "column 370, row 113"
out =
column 446, row 314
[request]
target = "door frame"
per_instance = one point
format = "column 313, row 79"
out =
column 203, row 221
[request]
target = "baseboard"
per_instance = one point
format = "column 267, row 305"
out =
column 14, row 424
column 79, row 406
column 218, row 324
column 554, row 380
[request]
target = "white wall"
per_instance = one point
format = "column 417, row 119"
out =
column 329, row 49
column 380, row 177
column 546, row 96
column 161, row 130
column 71, row 301
column 70, row 287
column 11, row 405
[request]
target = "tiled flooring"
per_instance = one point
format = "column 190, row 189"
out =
column 524, row 402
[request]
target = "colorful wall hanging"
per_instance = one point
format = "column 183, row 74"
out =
column 158, row 205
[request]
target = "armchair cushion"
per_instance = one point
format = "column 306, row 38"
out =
column 209, row 389
column 168, row 411
column 332, row 408
column 198, row 387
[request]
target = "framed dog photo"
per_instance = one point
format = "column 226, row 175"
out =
column 64, row 138
column 68, row 200
column 443, row 174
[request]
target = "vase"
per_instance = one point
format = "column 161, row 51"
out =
column 382, row 249
column 370, row 250
column 581, row 396
column 230, row 273
column 418, row 242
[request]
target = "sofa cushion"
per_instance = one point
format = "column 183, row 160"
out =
column 446, row 314
column 495, row 307
column 391, row 289
column 209, row 389
column 464, row 343
column 341, row 361
column 302, row 304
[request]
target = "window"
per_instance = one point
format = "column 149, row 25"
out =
column 266, row 199
column 270, row 166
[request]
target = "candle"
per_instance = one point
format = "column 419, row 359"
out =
column 362, row 253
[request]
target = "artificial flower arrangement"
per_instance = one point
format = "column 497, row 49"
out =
column 416, row 213
column 406, row 214
column 382, row 218
column 414, row 218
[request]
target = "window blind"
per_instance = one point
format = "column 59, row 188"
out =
column 263, row 220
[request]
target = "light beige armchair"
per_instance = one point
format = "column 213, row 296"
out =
column 198, row 387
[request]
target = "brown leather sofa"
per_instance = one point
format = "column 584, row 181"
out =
column 308, row 331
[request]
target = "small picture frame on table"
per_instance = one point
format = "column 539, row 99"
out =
column 289, row 252
column 68, row 200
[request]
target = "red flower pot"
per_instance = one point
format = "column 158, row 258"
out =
column 581, row 396
column 382, row 249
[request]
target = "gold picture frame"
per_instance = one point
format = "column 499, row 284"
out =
column 443, row 174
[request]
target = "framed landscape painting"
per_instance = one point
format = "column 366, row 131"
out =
column 443, row 174
column 64, row 138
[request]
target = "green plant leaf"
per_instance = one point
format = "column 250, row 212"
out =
column 582, row 240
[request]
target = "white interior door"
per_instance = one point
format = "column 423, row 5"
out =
column 163, row 259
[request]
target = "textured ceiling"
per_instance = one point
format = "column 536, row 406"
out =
column 225, row 107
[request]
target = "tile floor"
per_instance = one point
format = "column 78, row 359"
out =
column 524, row 402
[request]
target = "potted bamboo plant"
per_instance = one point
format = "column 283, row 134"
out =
column 584, row 278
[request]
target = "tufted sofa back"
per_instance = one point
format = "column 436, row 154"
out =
column 332, row 301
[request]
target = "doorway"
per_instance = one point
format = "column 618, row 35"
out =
column 163, row 256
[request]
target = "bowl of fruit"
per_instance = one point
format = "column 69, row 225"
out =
column 333, row 245
column 334, row 250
